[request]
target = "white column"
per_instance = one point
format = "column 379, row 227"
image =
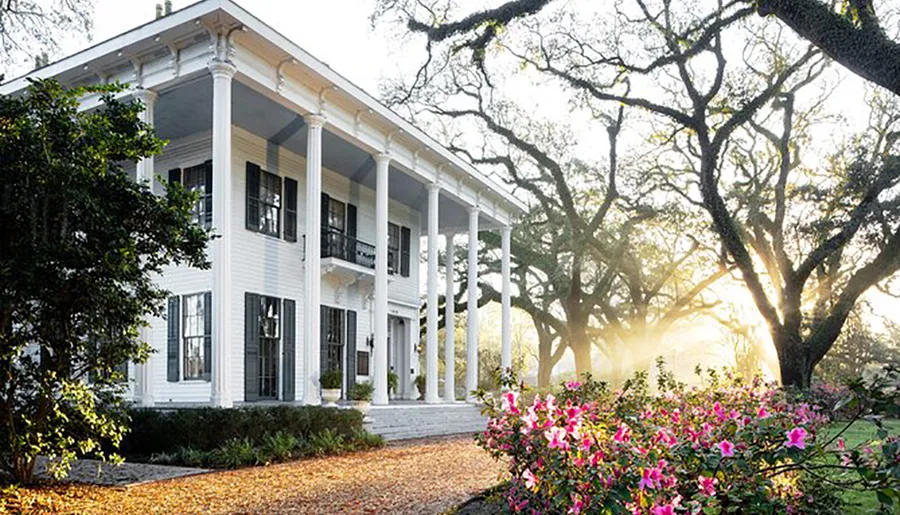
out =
column 382, row 164
column 144, row 173
column 472, row 308
column 313, row 293
column 431, row 343
column 412, row 328
column 505, row 301
column 449, row 329
column 222, row 73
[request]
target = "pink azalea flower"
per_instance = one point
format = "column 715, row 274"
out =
column 667, row 509
column 557, row 438
column 596, row 458
column 573, row 385
column 707, row 485
column 796, row 438
column 530, row 479
column 508, row 402
column 762, row 413
column 719, row 411
column 727, row 448
column 623, row 434
column 841, row 445
column 577, row 505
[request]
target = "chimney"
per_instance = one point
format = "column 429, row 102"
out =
column 168, row 7
column 159, row 11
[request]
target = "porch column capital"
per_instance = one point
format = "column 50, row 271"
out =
column 147, row 96
column 433, row 187
column 221, row 69
column 473, row 211
column 315, row 120
column 383, row 158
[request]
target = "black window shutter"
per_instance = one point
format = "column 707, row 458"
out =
column 325, row 200
column 174, row 323
column 323, row 345
column 207, row 331
column 405, row 247
column 351, row 348
column 288, row 324
column 175, row 176
column 290, row 209
column 208, row 186
column 251, row 347
column 252, row 196
column 351, row 232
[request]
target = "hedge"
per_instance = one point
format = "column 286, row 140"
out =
column 156, row 431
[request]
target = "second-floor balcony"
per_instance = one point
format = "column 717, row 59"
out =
column 337, row 244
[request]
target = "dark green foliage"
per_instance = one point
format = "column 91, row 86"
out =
column 206, row 429
column 328, row 442
column 362, row 391
column 331, row 379
column 79, row 245
column 235, row 453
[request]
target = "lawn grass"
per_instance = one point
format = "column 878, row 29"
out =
column 860, row 431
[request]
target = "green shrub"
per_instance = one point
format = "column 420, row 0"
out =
column 155, row 431
column 420, row 384
column 331, row 379
column 234, row 453
column 278, row 447
column 190, row 457
column 364, row 440
column 327, row 442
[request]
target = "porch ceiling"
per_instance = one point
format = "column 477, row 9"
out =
column 187, row 109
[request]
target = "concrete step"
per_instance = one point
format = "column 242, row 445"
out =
column 400, row 422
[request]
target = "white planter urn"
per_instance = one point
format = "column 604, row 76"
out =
column 331, row 396
column 362, row 407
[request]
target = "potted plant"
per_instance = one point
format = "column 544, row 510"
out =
column 331, row 386
column 361, row 395
column 393, row 383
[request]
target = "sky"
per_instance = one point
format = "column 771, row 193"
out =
column 335, row 31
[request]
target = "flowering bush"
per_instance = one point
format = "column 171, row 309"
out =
column 728, row 447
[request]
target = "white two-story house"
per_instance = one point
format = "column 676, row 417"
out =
column 321, row 198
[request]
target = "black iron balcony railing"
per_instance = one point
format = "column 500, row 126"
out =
column 336, row 244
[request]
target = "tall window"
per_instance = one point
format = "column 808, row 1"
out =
column 194, row 336
column 393, row 248
column 269, row 338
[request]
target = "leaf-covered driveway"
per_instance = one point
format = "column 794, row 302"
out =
column 417, row 478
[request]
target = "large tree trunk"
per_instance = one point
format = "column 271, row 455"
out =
column 581, row 348
column 545, row 362
column 793, row 360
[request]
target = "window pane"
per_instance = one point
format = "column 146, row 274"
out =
column 336, row 215
column 195, row 181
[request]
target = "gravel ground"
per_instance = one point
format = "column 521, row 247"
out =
column 126, row 474
column 419, row 477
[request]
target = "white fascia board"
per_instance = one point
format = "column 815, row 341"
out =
column 254, row 24
column 110, row 46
